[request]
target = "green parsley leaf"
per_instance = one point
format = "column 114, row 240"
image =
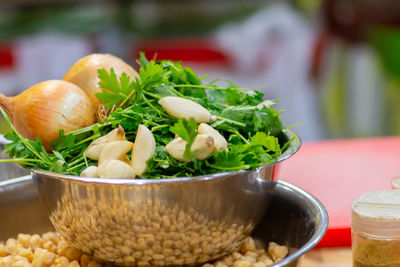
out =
column 63, row 141
column 228, row 161
column 187, row 130
column 269, row 143
column 142, row 59
column 114, row 91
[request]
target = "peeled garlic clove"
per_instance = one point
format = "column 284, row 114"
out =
column 143, row 150
column 46, row 108
column 90, row 171
column 176, row 149
column 115, row 150
column 84, row 73
column 203, row 144
column 179, row 107
column 115, row 169
column 126, row 160
column 94, row 149
column 220, row 142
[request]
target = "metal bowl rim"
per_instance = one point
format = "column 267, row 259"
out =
column 292, row 149
column 320, row 230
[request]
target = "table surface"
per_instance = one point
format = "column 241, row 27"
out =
column 338, row 171
column 327, row 257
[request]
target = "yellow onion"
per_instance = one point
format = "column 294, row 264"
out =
column 47, row 107
column 84, row 73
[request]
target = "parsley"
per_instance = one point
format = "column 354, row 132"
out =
column 187, row 130
column 118, row 91
column 252, row 127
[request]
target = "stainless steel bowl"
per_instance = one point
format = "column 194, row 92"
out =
column 159, row 221
column 294, row 218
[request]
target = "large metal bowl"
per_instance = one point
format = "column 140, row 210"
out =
column 294, row 218
column 159, row 221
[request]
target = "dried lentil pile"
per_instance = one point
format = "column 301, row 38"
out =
column 52, row 250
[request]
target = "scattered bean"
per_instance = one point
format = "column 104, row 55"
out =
column 52, row 250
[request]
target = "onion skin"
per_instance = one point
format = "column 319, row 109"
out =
column 84, row 73
column 46, row 108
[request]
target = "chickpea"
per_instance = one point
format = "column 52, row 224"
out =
column 241, row 263
column 143, row 249
column 42, row 257
column 277, row 252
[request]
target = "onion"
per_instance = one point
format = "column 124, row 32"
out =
column 84, row 73
column 47, row 107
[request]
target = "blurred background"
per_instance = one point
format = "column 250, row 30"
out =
column 334, row 65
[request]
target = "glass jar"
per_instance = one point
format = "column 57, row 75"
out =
column 375, row 229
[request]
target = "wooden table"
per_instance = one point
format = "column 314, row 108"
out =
column 327, row 257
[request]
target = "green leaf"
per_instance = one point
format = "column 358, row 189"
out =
column 270, row 143
column 228, row 161
column 164, row 90
column 63, row 141
column 142, row 59
column 115, row 91
column 234, row 97
column 187, row 130
column 253, row 97
column 191, row 76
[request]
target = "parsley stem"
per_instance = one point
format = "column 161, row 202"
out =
column 207, row 87
column 23, row 139
column 150, row 105
column 17, row 160
column 127, row 98
column 85, row 159
column 78, row 160
column 152, row 95
column 88, row 139
column 240, row 136
column 90, row 127
column 77, row 166
column 232, row 121
column 155, row 128
column 144, row 121
column 177, row 92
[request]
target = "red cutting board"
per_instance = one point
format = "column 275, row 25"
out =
column 338, row 171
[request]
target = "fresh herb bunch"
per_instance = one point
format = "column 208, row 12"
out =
column 253, row 129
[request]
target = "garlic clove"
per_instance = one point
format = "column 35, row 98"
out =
column 179, row 107
column 143, row 149
column 115, row 169
column 84, row 73
column 94, row 149
column 46, row 108
column 126, row 160
column 203, row 144
column 220, row 142
column 90, row 171
column 115, row 150
column 176, row 149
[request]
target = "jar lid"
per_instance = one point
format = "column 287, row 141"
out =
column 396, row 182
column 377, row 214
